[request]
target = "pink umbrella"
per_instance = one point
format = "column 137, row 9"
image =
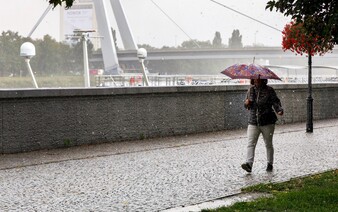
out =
column 252, row 71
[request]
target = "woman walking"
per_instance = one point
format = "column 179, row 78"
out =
column 262, row 103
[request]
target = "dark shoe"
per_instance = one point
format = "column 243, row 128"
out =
column 269, row 168
column 246, row 167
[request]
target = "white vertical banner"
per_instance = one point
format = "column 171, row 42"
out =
column 78, row 17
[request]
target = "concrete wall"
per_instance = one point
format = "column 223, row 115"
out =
column 51, row 118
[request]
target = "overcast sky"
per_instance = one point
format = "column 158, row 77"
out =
column 200, row 19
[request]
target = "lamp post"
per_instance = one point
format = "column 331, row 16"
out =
column 309, row 119
column 83, row 34
column 142, row 54
column 85, row 60
column 27, row 51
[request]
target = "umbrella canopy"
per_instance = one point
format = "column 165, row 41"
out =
column 252, row 71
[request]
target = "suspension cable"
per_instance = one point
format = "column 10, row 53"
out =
column 246, row 15
column 175, row 23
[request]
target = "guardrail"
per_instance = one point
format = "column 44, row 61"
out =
column 131, row 80
column 127, row 80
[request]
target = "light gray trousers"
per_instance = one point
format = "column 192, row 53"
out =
column 253, row 134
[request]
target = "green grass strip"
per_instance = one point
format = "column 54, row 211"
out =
column 312, row 193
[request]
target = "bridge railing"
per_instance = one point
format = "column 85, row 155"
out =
column 160, row 80
column 131, row 80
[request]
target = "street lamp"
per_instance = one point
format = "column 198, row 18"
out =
column 27, row 51
column 309, row 99
column 84, row 37
column 142, row 54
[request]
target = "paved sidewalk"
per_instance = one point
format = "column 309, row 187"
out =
column 159, row 174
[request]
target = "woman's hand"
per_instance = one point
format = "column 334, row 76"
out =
column 280, row 113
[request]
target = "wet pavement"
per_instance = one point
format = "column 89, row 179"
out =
column 159, row 174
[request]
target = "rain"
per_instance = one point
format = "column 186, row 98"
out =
column 127, row 107
column 165, row 64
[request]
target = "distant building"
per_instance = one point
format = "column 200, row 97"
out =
column 80, row 16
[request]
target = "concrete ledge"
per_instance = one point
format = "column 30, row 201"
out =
column 33, row 119
column 64, row 92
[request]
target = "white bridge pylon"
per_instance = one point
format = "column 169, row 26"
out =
column 110, row 60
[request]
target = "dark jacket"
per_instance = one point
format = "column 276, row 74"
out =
column 263, row 104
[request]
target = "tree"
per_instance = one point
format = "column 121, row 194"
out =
column 297, row 39
column 319, row 17
column 55, row 3
column 77, row 54
column 313, row 31
column 195, row 44
column 10, row 61
column 146, row 46
column 47, row 60
column 236, row 40
column 217, row 41
column 52, row 57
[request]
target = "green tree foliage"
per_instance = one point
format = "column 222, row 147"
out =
column 319, row 17
column 146, row 46
column 10, row 61
column 236, row 40
column 52, row 57
column 77, row 54
column 168, row 47
column 217, row 41
column 55, row 3
column 195, row 44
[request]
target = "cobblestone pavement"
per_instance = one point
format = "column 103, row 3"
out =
column 158, row 174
